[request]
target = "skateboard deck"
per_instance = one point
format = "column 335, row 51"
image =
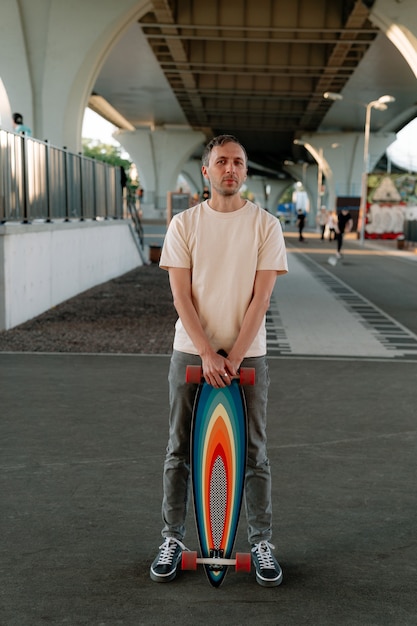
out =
column 218, row 462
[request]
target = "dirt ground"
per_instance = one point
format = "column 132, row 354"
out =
column 130, row 314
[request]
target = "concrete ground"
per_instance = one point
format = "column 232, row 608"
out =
column 83, row 438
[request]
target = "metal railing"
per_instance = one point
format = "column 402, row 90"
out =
column 135, row 216
column 39, row 181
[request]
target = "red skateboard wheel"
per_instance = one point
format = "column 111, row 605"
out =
column 247, row 375
column 243, row 562
column 189, row 560
column 193, row 374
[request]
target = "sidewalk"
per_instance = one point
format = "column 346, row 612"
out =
column 352, row 240
column 387, row 245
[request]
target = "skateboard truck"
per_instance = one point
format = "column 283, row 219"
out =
column 190, row 560
column 216, row 554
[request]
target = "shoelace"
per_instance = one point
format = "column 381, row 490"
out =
column 167, row 550
column 263, row 552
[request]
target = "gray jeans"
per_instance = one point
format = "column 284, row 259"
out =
column 177, row 462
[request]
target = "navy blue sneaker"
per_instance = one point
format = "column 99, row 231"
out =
column 164, row 567
column 268, row 570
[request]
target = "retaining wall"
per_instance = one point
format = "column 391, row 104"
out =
column 44, row 264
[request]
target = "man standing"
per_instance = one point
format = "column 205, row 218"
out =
column 223, row 256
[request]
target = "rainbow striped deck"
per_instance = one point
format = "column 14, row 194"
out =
column 218, row 461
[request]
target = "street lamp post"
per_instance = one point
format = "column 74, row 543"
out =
column 319, row 180
column 381, row 105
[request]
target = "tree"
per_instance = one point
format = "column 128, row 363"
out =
column 287, row 195
column 108, row 153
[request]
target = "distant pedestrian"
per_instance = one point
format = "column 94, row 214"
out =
column 19, row 126
column 301, row 217
column 331, row 225
column 123, row 178
column 194, row 199
column 344, row 225
column 322, row 221
column 206, row 193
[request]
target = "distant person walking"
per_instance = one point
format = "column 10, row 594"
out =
column 331, row 225
column 206, row 193
column 322, row 221
column 344, row 225
column 301, row 218
column 19, row 126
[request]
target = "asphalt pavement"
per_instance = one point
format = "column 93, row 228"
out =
column 83, row 440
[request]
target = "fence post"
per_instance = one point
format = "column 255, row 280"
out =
column 24, row 181
column 67, row 218
column 47, row 184
column 106, row 192
column 2, row 181
column 94, row 193
column 80, row 161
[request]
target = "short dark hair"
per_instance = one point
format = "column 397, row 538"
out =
column 220, row 140
column 18, row 118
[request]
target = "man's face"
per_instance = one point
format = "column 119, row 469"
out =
column 226, row 170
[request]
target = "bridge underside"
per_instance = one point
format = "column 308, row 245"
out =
column 256, row 70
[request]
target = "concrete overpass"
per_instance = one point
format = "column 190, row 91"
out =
column 172, row 74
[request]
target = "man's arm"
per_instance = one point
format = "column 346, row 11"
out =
column 214, row 365
column 262, row 290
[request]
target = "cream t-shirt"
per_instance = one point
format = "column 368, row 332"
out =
column 224, row 252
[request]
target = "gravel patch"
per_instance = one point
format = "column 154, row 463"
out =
column 132, row 314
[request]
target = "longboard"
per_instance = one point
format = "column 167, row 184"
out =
column 218, row 462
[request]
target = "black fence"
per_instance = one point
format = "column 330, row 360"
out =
column 410, row 231
column 39, row 181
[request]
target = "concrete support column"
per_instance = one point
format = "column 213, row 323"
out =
column 159, row 156
column 192, row 172
column 16, row 93
column 258, row 185
column 342, row 160
column 398, row 20
column 277, row 189
column 50, row 55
